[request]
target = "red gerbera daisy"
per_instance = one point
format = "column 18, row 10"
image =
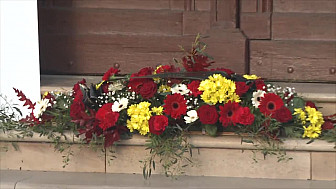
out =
column 175, row 105
column 228, row 113
column 270, row 103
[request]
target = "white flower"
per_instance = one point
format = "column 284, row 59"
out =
column 41, row 107
column 180, row 89
column 115, row 86
column 257, row 97
column 191, row 116
column 120, row 105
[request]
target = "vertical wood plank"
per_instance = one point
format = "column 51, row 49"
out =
column 227, row 12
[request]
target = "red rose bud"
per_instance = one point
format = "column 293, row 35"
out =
column 158, row 124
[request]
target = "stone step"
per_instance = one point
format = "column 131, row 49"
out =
column 324, row 94
column 59, row 180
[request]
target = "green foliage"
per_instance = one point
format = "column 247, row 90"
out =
column 170, row 152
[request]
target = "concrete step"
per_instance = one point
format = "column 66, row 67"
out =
column 60, row 180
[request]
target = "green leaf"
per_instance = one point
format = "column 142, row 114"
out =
column 298, row 102
column 211, row 130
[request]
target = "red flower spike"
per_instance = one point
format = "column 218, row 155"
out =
column 23, row 98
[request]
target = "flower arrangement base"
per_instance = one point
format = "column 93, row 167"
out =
column 223, row 156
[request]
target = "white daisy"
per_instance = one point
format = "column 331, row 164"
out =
column 115, row 86
column 120, row 105
column 191, row 116
column 257, row 97
column 180, row 89
column 41, row 107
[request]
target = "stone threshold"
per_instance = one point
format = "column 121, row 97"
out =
column 225, row 140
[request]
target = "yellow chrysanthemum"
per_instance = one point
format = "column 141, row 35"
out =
column 311, row 131
column 251, row 77
column 140, row 114
column 157, row 110
column 156, row 79
column 164, row 89
column 301, row 113
column 218, row 89
column 314, row 117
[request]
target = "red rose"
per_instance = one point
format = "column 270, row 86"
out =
column 193, row 87
column 77, row 107
column 311, row 104
column 244, row 116
column 148, row 90
column 327, row 125
column 158, row 124
column 260, row 85
column 208, row 114
column 111, row 72
column 241, row 88
column 283, row 115
column 106, row 117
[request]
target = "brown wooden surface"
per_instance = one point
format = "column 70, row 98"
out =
column 195, row 22
column 308, row 26
column 256, row 25
column 248, row 5
column 227, row 12
column 102, row 21
column 76, row 54
column 305, row 6
column 310, row 60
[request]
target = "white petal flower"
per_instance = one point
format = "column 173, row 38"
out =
column 257, row 97
column 41, row 107
column 180, row 89
column 191, row 116
column 120, row 105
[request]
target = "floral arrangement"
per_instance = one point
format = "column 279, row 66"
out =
column 166, row 102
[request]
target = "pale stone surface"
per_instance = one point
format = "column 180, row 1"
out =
column 238, row 163
column 324, row 165
column 48, row 180
column 43, row 157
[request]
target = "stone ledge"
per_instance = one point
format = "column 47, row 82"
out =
column 198, row 140
column 39, row 180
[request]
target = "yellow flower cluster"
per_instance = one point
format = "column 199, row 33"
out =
column 251, row 77
column 315, row 119
column 218, row 89
column 140, row 114
column 157, row 110
column 164, row 89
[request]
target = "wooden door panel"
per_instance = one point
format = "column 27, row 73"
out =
column 305, row 6
column 293, row 60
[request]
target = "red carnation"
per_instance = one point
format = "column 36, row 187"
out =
column 157, row 124
column 77, row 107
column 283, row 115
column 244, row 116
column 106, row 117
column 260, row 85
column 111, row 72
column 207, row 114
column 241, row 88
column 228, row 113
column 193, row 87
column 311, row 104
column 148, row 89
column 135, row 84
column 270, row 103
column 175, row 105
